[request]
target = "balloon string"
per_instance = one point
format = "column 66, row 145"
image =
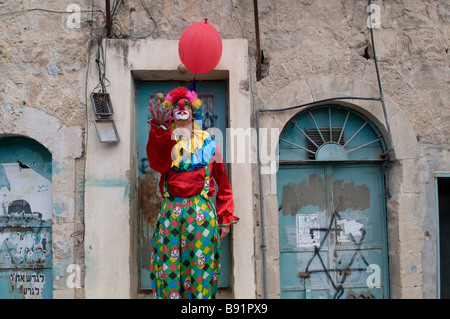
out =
column 206, row 20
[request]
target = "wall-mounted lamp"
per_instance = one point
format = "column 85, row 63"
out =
column 104, row 124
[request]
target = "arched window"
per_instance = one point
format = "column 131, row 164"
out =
column 331, row 133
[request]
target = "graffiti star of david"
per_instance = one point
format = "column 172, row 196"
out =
column 338, row 287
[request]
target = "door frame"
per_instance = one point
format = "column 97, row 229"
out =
column 111, row 260
column 218, row 88
column 438, row 257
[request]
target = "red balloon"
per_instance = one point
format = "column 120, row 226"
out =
column 200, row 47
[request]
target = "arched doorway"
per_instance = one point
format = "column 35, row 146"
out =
column 25, row 219
column 332, row 217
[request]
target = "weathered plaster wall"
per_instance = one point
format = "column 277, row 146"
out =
column 65, row 145
column 312, row 49
column 42, row 63
column 327, row 41
column 42, row 60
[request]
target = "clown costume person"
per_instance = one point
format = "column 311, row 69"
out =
column 185, row 259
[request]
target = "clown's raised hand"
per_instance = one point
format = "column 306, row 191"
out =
column 159, row 117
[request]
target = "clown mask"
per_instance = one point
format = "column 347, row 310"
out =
column 183, row 111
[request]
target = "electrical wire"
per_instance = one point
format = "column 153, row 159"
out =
column 101, row 64
column 237, row 18
column 101, row 69
column 117, row 7
column 150, row 16
column 50, row 11
column 116, row 27
column 117, row 31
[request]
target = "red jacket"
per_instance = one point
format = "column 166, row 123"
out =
column 190, row 183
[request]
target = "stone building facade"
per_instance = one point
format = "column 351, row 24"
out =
column 313, row 53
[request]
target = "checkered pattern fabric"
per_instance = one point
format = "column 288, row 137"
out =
column 186, row 249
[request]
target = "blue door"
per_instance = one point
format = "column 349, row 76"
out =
column 213, row 95
column 25, row 220
column 332, row 223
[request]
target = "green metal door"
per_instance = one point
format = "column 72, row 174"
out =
column 25, row 220
column 332, row 223
column 213, row 95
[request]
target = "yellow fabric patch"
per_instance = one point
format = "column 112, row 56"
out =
column 187, row 146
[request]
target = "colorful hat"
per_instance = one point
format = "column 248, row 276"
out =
column 183, row 97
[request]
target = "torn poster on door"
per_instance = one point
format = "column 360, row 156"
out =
column 308, row 233
column 348, row 227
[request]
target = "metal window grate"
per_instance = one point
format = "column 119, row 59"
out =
column 102, row 105
column 316, row 139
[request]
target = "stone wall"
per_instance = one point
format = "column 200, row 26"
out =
column 307, row 45
column 43, row 65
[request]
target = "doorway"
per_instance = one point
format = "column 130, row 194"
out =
column 332, row 217
column 25, row 219
column 214, row 97
column 443, row 198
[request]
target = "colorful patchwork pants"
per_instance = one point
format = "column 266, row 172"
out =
column 185, row 260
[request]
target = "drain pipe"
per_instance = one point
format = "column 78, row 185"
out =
column 261, row 201
column 258, row 42
column 261, row 207
column 383, row 105
column 108, row 18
